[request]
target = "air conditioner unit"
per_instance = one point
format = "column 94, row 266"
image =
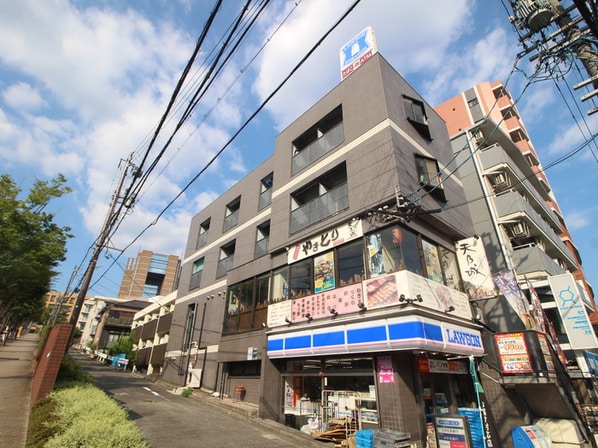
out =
column 519, row 230
column 478, row 137
column 501, row 180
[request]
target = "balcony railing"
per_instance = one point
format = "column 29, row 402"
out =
column 318, row 148
column 261, row 247
column 231, row 220
column 328, row 204
column 224, row 266
column 195, row 280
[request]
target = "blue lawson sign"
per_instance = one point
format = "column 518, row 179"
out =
column 357, row 51
column 396, row 333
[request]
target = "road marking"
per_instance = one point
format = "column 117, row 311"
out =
column 270, row 436
column 149, row 390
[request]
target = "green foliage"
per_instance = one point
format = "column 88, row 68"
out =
column 85, row 416
column 123, row 345
column 70, row 371
column 187, row 392
column 32, row 247
column 42, row 422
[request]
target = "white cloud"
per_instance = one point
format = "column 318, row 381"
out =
column 578, row 219
column 23, row 96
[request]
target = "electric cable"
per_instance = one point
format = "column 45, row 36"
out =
column 243, row 126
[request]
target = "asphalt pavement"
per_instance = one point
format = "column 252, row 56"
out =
column 16, row 375
column 167, row 419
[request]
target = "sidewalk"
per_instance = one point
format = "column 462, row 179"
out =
column 16, row 375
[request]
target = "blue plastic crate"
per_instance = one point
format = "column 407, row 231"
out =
column 365, row 438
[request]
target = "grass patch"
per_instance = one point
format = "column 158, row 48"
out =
column 77, row 414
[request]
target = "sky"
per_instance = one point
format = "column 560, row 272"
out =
column 83, row 85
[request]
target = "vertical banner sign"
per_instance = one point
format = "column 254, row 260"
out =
column 474, row 268
column 506, row 282
column 572, row 310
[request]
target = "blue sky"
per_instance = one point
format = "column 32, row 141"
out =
column 83, row 85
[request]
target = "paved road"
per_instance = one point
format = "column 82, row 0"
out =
column 170, row 420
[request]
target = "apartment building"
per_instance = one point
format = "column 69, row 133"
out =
column 325, row 283
column 149, row 274
column 150, row 332
column 543, row 301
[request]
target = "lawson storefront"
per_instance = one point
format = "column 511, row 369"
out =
column 403, row 358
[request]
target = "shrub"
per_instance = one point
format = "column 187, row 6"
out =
column 70, row 371
column 86, row 416
column 42, row 422
column 187, row 392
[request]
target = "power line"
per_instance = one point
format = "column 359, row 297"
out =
column 243, row 126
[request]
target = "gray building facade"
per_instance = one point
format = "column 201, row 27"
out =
column 325, row 283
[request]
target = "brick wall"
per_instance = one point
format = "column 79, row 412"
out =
column 49, row 360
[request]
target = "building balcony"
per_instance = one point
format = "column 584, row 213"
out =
column 320, row 208
column 494, row 159
column 533, row 262
column 118, row 322
column 512, row 209
column 312, row 152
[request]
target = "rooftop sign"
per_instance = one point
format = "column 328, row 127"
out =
column 357, row 51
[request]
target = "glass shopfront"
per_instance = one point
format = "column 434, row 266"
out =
column 321, row 391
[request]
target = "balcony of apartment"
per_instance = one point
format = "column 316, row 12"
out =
column 149, row 329
column 320, row 208
column 317, row 148
column 164, row 323
column 513, row 210
column 504, row 102
column 530, row 260
column 495, row 161
column 118, row 322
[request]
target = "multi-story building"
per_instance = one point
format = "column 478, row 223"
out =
column 60, row 306
column 89, row 317
column 149, row 275
column 543, row 299
column 115, row 321
column 150, row 332
column 325, row 284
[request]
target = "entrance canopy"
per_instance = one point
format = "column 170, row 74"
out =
column 396, row 333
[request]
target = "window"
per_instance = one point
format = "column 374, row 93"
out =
column 428, row 175
column 245, row 368
column 350, row 263
column 473, row 102
column 320, row 199
column 266, row 191
column 226, row 259
column 393, row 249
column 247, row 306
column 301, row 278
column 262, row 239
column 280, row 284
column 432, row 261
column 202, row 238
column 196, row 274
column 231, row 214
column 416, row 115
column 321, row 138
column 448, row 260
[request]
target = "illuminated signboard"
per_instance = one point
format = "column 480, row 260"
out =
column 357, row 51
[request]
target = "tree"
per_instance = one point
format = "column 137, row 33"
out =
column 32, row 246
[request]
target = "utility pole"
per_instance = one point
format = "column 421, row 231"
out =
column 64, row 297
column 99, row 246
